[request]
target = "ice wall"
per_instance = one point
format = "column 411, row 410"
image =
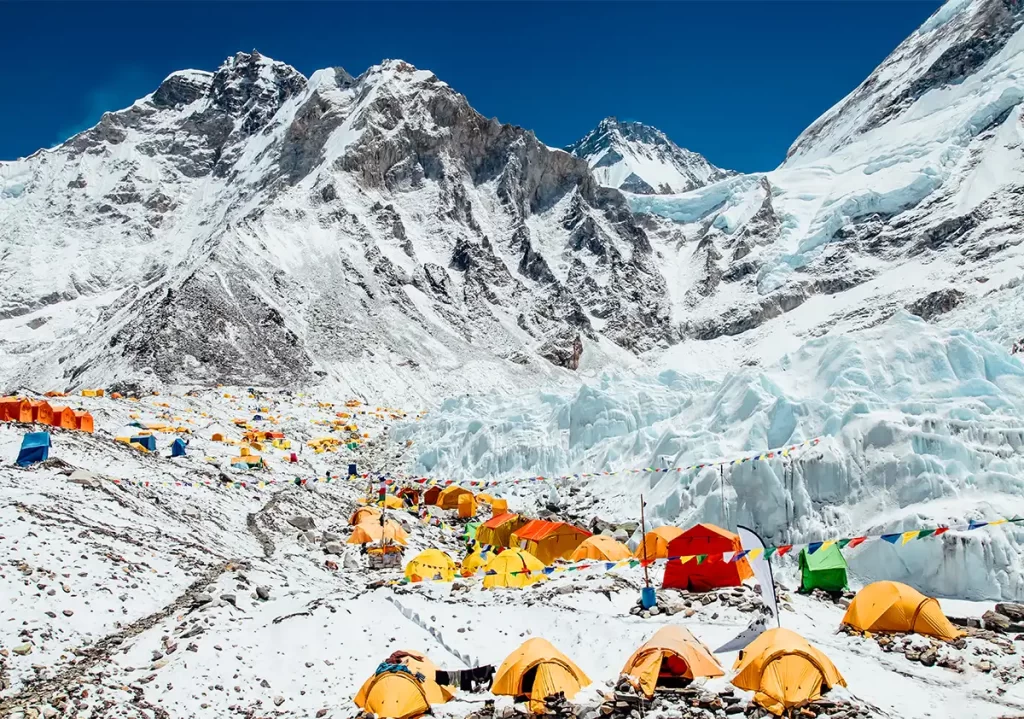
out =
column 921, row 425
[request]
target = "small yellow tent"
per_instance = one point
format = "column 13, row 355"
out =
column 429, row 565
column 476, row 561
column 672, row 655
column 449, row 497
column 363, row 514
column 371, row 531
column 895, row 607
column 784, row 671
column 484, row 498
column 601, row 547
column 513, row 568
column 403, row 695
column 499, row 506
column 535, row 671
column 656, row 542
column 393, row 502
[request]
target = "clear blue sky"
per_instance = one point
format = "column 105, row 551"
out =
column 737, row 81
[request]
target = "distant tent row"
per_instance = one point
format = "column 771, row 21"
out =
column 16, row 409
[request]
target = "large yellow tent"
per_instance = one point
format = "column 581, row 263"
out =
column 429, row 565
column 467, row 506
column 371, row 531
column 449, row 497
column 671, row 655
column 403, row 695
column 393, row 502
column 513, row 568
column 656, row 541
column 497, row 531
column 548, row 541
column 535, row 671
column 363, row 514
column 484, row 498
column 784, row 671
column 476, row 561
column 601, row 547
column 895, row 607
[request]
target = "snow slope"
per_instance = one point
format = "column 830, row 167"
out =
column 638, row 158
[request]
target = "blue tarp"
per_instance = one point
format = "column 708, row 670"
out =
column 35, row 447
column 178, row 448
column 146, row 440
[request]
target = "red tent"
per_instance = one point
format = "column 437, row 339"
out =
column 712, row 572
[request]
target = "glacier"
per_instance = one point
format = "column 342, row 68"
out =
column 920, row 425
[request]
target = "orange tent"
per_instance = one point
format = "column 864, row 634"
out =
column 412, row 493
column 363, row 514
column 600, row 547
column 42, row 412
column 371, row 531
column 431, row 495
column 656, row 543
column 64, row 417
column 896, row 607
column 467, row 506
column 401, row 694
column 55, row 393
column 548, row 541
column 536, row 671
column 83, row 421
column 17, row 410
column 672, row 657
column 713, row 572
column 449, row 497
column 784, row 671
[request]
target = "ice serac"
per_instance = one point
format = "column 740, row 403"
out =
column 638, row 158
column 908, row 187
column 255, row 225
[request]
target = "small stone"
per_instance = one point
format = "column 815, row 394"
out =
column 688, row 612
column 336, row 548
column 203, row 598
column 278, row 701
column 985, row 666
column 655, row 611
column 302, row 523
column 23, row 649
column 263, row 592
column 68, row 613
column 157, row 655
column 321, row 713
column 229, row 598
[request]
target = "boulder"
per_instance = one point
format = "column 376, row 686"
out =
column 302, row 523
column 996, row 621
column 334, row 548
column 1011, row 610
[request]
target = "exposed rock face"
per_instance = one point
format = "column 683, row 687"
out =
column 265, row 227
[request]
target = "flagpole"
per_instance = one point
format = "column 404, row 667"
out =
column 643, row 538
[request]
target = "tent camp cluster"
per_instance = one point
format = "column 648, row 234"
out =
column 26, row 411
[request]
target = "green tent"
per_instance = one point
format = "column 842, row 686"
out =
column 470, row 531
column 825, row 569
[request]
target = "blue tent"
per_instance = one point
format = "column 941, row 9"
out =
column 146, row 440
column 257, row 418
column 178, row 447
column 35, row 447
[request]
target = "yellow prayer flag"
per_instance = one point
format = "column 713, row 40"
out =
column 907, row 536
column 754, row 553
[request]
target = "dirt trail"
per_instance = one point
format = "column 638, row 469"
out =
column 40, row 691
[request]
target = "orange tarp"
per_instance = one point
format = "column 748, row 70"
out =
column 713, row 572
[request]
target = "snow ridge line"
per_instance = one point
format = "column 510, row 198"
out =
column 42, row 690
column 415, row 618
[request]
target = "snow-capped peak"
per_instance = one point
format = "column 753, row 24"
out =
column 639, row 158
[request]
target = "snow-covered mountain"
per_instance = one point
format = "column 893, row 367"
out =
column 255, row 225
column 635, row 157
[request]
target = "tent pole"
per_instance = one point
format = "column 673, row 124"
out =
column 721, row 471
column 643, row 538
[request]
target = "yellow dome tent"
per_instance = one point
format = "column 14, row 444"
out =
column 476, row 561
column 449, row 497
column 535, row 671
column 362, row 514
column 403, row 695
column 484, row 498
column 671, row 655
column 895, row 607
column 430, row 565
column 601, row 547
column 499, row 571
column 656, row 542
column 784, row 671
column 371, row 531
